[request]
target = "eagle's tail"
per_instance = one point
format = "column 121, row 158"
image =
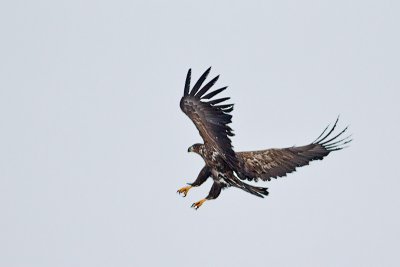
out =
column 255, row 190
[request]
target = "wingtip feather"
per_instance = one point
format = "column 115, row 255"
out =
column 199, row 82
column 187, row 82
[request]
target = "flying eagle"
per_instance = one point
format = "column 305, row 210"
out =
column 229, row 168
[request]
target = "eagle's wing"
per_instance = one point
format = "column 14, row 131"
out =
column 273, row 163
column 212, row 117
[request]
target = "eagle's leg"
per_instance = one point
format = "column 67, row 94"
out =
column 213, row 194
column 201, row 178
column 184, row 190
column 197, row 204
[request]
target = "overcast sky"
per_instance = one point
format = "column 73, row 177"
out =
column 93, row 145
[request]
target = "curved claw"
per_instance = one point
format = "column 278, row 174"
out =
column 198, row 204
column 184, row 190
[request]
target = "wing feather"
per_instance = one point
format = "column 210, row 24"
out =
column 207, row 87
column 187, row 82
column 273, row 163
column 210, row 119
column 199, row 82
column 214, row 93
column 217, row 101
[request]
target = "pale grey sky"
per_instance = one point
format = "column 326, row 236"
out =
column 93, row 145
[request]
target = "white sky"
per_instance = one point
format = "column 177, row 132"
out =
column 93, row 143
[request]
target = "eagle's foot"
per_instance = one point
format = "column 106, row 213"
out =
column 198, row 204
column 184, row 190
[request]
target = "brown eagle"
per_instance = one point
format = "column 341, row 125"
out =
column 229, row 168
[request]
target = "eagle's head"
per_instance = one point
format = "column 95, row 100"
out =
column 195, row 148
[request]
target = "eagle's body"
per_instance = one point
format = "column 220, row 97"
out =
column 222, row 174
column 220, row 171
column 228, row 168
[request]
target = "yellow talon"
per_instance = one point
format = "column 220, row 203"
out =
column 184, row 190
column 198, row 204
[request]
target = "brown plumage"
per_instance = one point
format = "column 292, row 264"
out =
column 273, row 163
column 226, row 167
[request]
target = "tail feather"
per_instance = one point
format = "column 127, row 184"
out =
column 255, row 190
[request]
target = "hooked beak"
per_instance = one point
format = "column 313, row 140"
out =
column 190, row 149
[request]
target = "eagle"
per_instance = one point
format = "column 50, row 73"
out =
column 228, row 168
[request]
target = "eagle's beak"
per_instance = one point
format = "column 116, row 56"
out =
column 190, row 149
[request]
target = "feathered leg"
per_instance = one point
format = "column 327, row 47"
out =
column 201, row 178
column 213, row 194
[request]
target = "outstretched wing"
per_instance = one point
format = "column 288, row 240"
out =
column 273, row 163
column 211, row 117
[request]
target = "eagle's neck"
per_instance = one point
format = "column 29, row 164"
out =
column 209, row 154
column 201, row 151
